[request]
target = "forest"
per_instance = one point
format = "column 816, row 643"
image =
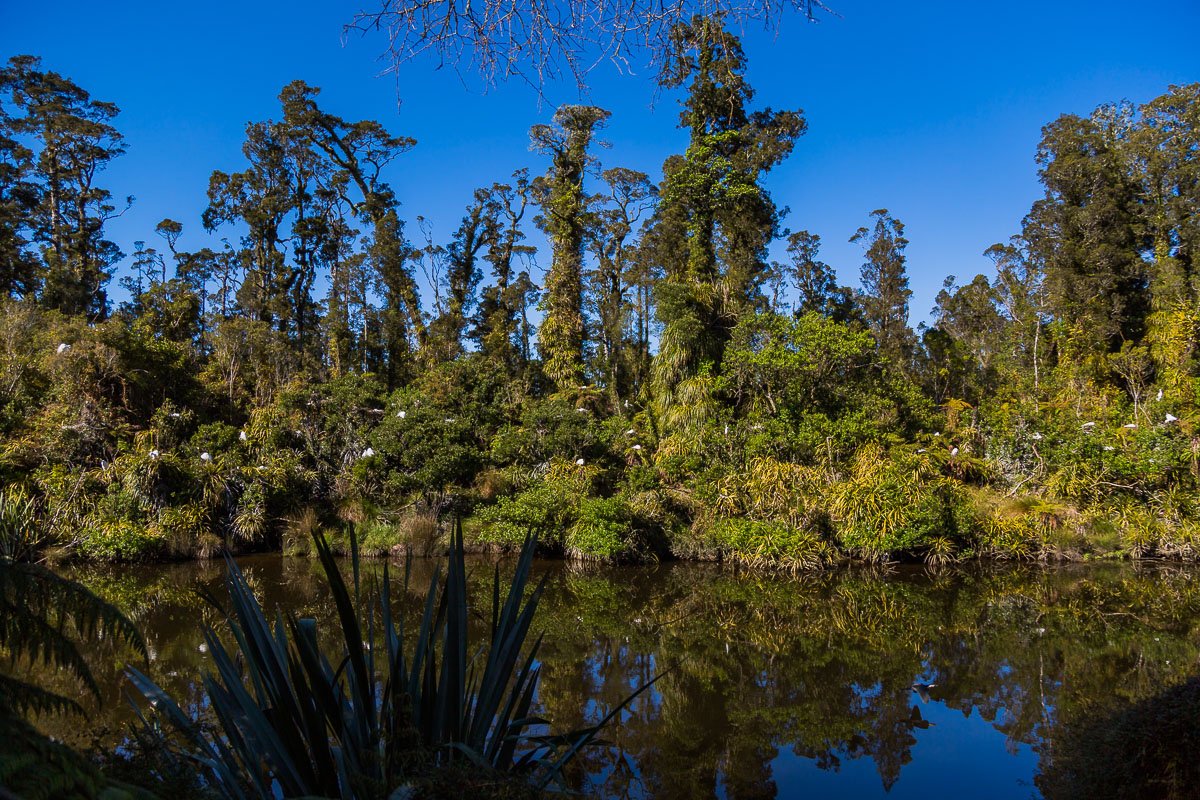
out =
column 649, row 384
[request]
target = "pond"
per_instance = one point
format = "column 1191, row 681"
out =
column 776, row 686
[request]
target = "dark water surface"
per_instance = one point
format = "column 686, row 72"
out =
column 775, row 686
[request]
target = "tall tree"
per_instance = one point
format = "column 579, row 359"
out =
column 565, row 219
column 885, row 291
column 479, row 229
column 815, row 281
column 498, row 322
column 1019, row 289
column 1084, row 230
column 20, row 272
column 72, row 139
column 357, row 153
column 618, row 357
column 1167, row 152
column 715, row 219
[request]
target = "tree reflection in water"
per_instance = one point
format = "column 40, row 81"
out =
column 760, row 667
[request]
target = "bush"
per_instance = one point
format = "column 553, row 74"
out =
column 771, row 545
column 897, row 504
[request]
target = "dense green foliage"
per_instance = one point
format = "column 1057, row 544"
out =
column 688, row 394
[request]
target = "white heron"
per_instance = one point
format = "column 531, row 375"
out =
column 241, row 436
column 401, row 414
column 1171, row 418
column 368, row 453
column 62, row 348
column 579, row 462
column 206, row 457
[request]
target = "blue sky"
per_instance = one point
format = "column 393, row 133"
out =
column 930, row 109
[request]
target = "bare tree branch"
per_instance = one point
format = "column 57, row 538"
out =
column 538, row 41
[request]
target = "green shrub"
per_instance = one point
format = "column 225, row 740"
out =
column 771, row 545
column 603, row 529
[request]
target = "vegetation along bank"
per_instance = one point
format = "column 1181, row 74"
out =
column 665, row 388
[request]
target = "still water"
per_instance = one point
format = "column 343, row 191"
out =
column 774, row 686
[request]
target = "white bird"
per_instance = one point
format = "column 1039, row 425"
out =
column 1130, row 426
column 581, row 410
column 637, row 447
column 205, row 457
column 241, row 436
column 368, row 453
column 174, row 415
column 1171, row 418
column 726, row 430
column 1037, row 437
column 1160, row 395
column 203, row 648
column 401, row 414
column 64, row 347
column 953, row 451
column 630, row 432
column 1089, row 424
column 154, row 454
column 579, row 462
column 922, row 450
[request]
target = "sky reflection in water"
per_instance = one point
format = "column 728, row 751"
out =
column 776, row 686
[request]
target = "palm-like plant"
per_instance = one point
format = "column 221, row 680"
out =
column 43, row 618
column 294, row 723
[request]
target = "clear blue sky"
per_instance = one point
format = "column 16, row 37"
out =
column 929, row 108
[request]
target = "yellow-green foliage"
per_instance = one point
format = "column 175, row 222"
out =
column 895, row 503
column 770, row 545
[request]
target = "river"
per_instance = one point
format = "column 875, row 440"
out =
column 774, row 686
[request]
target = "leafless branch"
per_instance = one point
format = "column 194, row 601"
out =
column 538, row 41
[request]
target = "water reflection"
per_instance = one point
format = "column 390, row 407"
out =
column 777, row 686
